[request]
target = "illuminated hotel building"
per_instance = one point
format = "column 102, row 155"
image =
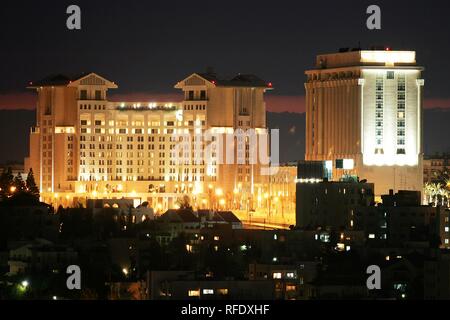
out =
column 364, row 116
column 84, row 146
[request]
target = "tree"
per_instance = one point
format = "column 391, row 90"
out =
column 436, row 193
column 6, row 182
column 31, row 185
column 19, row 184
column 184, row 203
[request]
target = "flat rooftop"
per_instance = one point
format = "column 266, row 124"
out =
column 361, row 57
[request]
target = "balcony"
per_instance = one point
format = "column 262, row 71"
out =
column 200, row 99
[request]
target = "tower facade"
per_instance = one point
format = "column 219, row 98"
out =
column 364, row 117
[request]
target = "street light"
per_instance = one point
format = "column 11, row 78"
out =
column 13, row 189
column 219, row 192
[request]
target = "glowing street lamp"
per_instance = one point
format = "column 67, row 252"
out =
column 13, row 189
column 219, row 192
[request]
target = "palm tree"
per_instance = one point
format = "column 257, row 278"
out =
column 442, row 195
column 429, row 191
column 432, row 190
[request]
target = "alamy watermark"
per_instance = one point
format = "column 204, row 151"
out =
column 374, row 280
column 73, row 22
column 374, row 20
column 74, row 280
column 219, row 146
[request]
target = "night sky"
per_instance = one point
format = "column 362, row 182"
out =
column 147, row 46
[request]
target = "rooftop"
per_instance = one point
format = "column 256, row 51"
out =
column 373, row 57
column 240, row 80
column 57, row 80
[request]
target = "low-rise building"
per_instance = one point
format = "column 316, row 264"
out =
column 40, row 256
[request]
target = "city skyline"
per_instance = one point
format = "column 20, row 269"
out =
column 241, row 153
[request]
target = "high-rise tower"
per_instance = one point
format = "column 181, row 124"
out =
column 364, row 116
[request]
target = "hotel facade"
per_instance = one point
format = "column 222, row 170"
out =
column 84, row 146
column 364, row 117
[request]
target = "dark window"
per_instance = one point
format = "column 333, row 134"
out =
column 83, row 95
column 390, row 75
column 98, row 95
column 203, row 95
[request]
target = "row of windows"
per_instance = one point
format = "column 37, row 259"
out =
column 241, row 123
column 136, row 131
column 142, row 170
column 401, row 122
column 93, row 177
column 84, row 138
column 379, row 102
column 98, row 95
column 195, row 95
column 123, row 123
column 110, row 146
column 194, row 107
column 94, row 107
column 142, row 163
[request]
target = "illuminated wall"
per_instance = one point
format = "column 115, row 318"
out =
column 391, row 117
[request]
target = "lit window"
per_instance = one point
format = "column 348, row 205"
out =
column 216, row 238
column 222, row 292
column 194, row 293
column 446, row 229
column 208, row 291
column 277, row 275
column 371, row 236
column 290, row 275
column 290, row 288
column 447, row 241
